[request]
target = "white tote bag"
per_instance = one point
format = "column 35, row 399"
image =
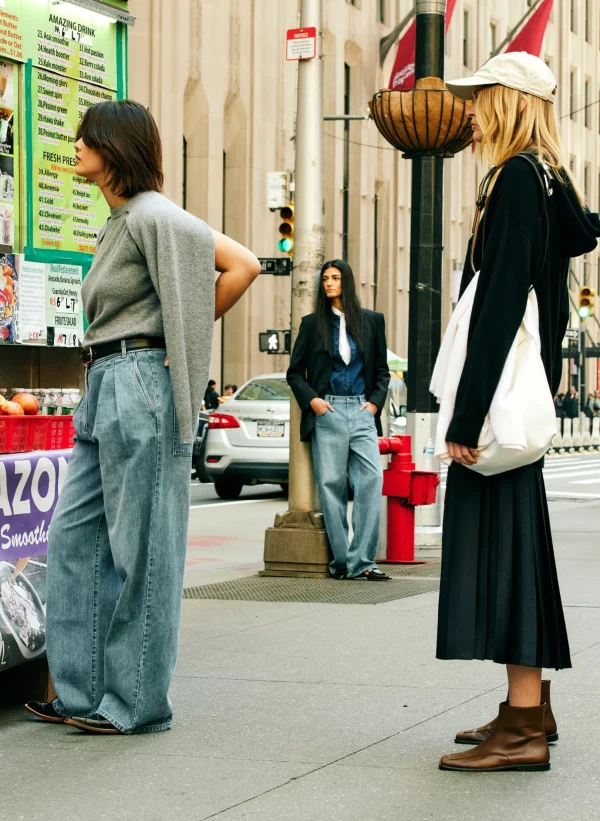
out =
column 521, row 423
column 527, row 404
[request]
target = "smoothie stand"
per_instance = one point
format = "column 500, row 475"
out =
column 56, row 59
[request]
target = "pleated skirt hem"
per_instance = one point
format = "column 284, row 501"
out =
column 499, row 592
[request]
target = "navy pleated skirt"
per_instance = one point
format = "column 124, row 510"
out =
column 499, row 594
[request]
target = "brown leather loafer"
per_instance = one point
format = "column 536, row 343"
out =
column 94, row 724
column 44, row 711
column 481, row 734
column 518, row 742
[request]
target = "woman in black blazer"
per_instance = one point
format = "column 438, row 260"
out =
column 339, row 376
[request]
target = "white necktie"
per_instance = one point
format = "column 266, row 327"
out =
column 345, row 351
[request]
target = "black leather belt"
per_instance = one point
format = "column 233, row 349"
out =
column 95, row 352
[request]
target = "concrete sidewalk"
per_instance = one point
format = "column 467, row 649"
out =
column 314, row 712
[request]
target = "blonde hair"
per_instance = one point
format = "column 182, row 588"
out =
column 508, row 131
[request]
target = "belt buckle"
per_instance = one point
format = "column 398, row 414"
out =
column 87, row 356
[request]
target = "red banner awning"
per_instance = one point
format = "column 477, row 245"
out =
column 531, row 36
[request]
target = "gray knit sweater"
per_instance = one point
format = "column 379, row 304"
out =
column 154, row 275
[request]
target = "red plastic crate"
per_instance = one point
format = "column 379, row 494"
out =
column 21, row 434
column 14, row 434
column 60, row 433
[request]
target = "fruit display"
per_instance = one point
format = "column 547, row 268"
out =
column 28, row 402
column 11, row 409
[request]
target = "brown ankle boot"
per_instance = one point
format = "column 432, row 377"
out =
column 518, row 742
column 482, row 734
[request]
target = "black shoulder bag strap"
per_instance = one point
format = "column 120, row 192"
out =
column 546, row 181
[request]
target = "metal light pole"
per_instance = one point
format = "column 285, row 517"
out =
column 426, row 259
column 426, row 245
column 297, row 544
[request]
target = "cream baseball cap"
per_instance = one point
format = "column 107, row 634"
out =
column 517, row 69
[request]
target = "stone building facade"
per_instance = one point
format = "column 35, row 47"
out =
column 215, row 76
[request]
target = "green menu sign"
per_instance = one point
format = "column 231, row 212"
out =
column 62, row 38
column 71, row 210
column 69, row 40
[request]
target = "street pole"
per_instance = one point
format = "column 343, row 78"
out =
column 297, row 544
column 426, row 250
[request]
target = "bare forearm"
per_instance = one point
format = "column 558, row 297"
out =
column 239, row 268
column 230, row 287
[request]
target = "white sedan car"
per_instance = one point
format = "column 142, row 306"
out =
column 248, row 439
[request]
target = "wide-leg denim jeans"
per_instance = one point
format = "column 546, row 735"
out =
column 344, row 448
column 117, row 548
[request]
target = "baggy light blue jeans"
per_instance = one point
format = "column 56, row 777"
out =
column 117, row 547
column 344, row 448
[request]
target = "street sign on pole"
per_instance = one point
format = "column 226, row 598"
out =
column 301, row 43
column 277, row 266
column 571, row 333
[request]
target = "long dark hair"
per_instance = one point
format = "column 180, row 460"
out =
column 351, row 306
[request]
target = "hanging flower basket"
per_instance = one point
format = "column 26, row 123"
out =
column 428, row 121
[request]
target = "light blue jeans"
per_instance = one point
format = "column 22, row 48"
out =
column 344, row 448
column 117, row 548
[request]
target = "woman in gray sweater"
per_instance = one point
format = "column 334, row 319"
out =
column 118, row 539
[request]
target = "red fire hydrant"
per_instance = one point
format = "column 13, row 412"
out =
column 406, row 488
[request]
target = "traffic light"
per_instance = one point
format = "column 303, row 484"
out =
column 286, row 230
column 586, row 301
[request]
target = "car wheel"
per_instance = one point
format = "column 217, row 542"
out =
column 227, row 489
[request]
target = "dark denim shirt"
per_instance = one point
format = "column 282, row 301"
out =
column 346, row 380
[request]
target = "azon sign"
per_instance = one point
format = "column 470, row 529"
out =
column 301, row 44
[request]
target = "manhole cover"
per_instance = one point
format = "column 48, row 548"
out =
column 407, row 581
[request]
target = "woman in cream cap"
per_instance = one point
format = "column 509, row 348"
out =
column 499, row 596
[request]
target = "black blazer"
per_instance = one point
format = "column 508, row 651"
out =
column 310, row 369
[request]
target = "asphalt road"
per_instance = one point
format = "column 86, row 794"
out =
column 204, row 495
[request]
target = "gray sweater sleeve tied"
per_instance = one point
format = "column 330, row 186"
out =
column 163, row 259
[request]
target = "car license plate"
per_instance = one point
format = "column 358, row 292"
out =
column 271, row 429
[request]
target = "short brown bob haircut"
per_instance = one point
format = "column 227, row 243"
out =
column 125, row 135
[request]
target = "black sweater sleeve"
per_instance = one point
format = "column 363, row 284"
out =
column 381, row 381
column 511, row 257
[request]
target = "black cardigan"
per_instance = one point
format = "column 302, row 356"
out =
column 310, row 368
column 509, row 260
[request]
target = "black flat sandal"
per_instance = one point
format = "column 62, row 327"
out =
column 338, row 575
column 372, row 575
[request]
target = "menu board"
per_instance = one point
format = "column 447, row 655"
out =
column 64, row 312
column 71, row 209
column 11, row 29
column 72, row 41
column 31, row 307
column 61, row 38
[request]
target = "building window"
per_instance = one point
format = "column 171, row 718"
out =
column 574, row 16
column 381, row 11
column 572, row 163
column 588, row 21
column 572, row 94
column 493, row 38
column 588, row 103
column 352, row 2
column 466, row 60
column 587, row 175
column 346, row 191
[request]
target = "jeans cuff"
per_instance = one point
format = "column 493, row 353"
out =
column 56, row 709
column 151, row 728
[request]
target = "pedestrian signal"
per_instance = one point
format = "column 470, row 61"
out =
column 586, row 301
column 286, row 230
column 275, row 342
